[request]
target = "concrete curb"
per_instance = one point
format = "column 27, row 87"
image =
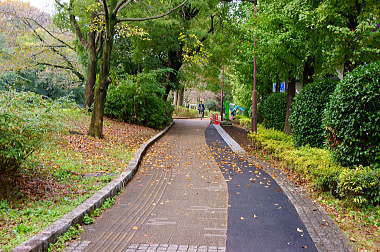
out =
column 229, row 140
column 41, row 241
column 325, row 234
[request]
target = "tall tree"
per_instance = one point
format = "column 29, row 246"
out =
column 108, row 18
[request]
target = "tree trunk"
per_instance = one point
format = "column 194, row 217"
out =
column 291, row 93
column 175, row 95
column 91, row 77
column 308, row 71
column 96, row 126
column 175, row 63
column 180, row 94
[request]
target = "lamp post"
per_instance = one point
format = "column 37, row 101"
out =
column 254, row 86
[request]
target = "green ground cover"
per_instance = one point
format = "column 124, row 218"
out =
column 66, row 170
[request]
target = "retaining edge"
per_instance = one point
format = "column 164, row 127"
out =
column 40, row 242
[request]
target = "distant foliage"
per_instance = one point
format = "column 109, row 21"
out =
column 139, row 101
column 54, row 85
column 272, row 110
column 307, row 112
column 352, row 117
column 211, row 105
column 25, row 119
column 185, row 112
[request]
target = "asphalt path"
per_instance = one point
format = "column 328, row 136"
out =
column 260, row 216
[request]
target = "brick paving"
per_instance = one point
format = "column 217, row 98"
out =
column 144, row 247
column 178, row 196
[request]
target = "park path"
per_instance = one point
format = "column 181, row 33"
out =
column 177, row 201
column 260, row 215
column 192, row 193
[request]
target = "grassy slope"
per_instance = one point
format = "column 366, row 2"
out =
column 67, row 170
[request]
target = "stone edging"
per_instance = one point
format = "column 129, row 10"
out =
column 41, row 241
column 324, row 232
column 229, row 140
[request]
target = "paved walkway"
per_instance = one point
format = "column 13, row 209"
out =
column 184, row 196
column 260, row 216
column 176, row 202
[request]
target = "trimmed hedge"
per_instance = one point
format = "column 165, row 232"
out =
column 352, row 117
column 138, row 102
column 307, row 113
column 273, row 111
column 358, row 185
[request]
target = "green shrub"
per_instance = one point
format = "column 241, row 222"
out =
column 307, row 113
column 139, row 101
column 25, row 119
column 352, row 117
column 245, row 122
column 273, row 111
column 360, row 185
column 185, row 112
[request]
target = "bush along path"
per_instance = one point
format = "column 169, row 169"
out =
column 260, row 216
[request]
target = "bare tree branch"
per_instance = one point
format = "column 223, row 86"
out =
column 121, row 5
column 51, row 35
column 59, row 4
column 73, row 70
column 153, row 17
column 75, row 24
column 106, row 14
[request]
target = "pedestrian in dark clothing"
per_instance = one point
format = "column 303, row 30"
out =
column 201, row 109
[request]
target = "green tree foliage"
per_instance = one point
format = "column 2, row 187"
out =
column 352, row 117
column 52, row 84
column 138, row 99
column 307, row 112
column 211, row 105
column 272, row 110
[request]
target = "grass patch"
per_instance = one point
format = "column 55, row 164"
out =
column 72, row 233
column 69, row 168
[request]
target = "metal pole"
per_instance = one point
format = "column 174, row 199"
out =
column 222, row 95
column 254, row 86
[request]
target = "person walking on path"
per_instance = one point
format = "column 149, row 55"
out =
column 201, row 109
